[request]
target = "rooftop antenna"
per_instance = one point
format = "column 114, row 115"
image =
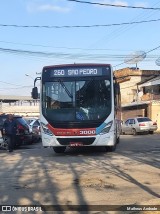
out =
column 135, row 57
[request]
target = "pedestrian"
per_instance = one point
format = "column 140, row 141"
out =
column 10, row 130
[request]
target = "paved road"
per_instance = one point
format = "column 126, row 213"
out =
column 131, row 175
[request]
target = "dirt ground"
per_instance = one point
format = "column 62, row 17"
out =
column 33, row 175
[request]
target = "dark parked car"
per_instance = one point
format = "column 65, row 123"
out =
column 23, row 133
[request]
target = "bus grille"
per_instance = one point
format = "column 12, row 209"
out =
column 67, row 141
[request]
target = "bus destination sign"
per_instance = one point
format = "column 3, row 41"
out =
column 72, row 72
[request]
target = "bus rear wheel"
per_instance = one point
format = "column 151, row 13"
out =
column 59, row 149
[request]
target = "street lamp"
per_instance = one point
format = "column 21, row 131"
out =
column 27, row 75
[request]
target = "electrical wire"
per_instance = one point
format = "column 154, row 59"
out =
column 10, row 83
column 79, row 26
column 114, row 5
column 19, row 87
column 69, row 55
column 23, row 87
column 67, row 48
column 66, row 54
column 118, row 32
column 139, row 55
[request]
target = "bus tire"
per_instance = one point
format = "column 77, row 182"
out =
column 110, row 148
column 118, row 140
column 59, row 149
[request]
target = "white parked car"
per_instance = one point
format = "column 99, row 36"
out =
column 35, row 129
column 138, row 125
column 30, row 119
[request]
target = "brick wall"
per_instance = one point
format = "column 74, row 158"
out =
column 132, row 113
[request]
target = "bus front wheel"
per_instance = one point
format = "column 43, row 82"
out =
column 59, row 149
column 110, row 148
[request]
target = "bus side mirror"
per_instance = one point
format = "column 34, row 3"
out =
column 34, row 93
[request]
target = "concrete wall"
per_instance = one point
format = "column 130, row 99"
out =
column 128, row 90
column 21, row 110
column 155, row 113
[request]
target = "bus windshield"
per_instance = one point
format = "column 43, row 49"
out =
column 76, row 100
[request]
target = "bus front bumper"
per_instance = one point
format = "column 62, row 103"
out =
column 97, row 140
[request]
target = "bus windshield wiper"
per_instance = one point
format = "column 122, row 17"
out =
column 65, row 88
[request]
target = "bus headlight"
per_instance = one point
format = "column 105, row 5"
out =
column 46, row 129
column 107, row 128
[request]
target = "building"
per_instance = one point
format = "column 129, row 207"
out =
column 20, row 105
column 140, row 93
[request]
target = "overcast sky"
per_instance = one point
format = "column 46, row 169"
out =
column 70, row 45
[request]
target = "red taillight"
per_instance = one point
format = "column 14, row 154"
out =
column 142, row 124
column 154, row 123
column 20, row 127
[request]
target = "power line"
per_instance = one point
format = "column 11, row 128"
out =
column 79, row 26
column 153, row 49
column 139, row 55
column 17, row 88
column 10, row 83
column 67, row 55
column 68, row 48
column 115, row 5
column 122, row 29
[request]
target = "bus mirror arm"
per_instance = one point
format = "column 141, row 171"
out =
column 37, row 78
column 34, row 92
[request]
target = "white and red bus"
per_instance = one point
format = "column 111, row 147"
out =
column 79, row 106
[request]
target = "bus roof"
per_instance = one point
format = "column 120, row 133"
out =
column 76, row 65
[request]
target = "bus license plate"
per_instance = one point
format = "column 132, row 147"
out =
column 76, row 144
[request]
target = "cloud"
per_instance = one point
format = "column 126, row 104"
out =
column 124, row 3
column 32, row 7
column 116, row 2
column 121, row 2
column 140, row 4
